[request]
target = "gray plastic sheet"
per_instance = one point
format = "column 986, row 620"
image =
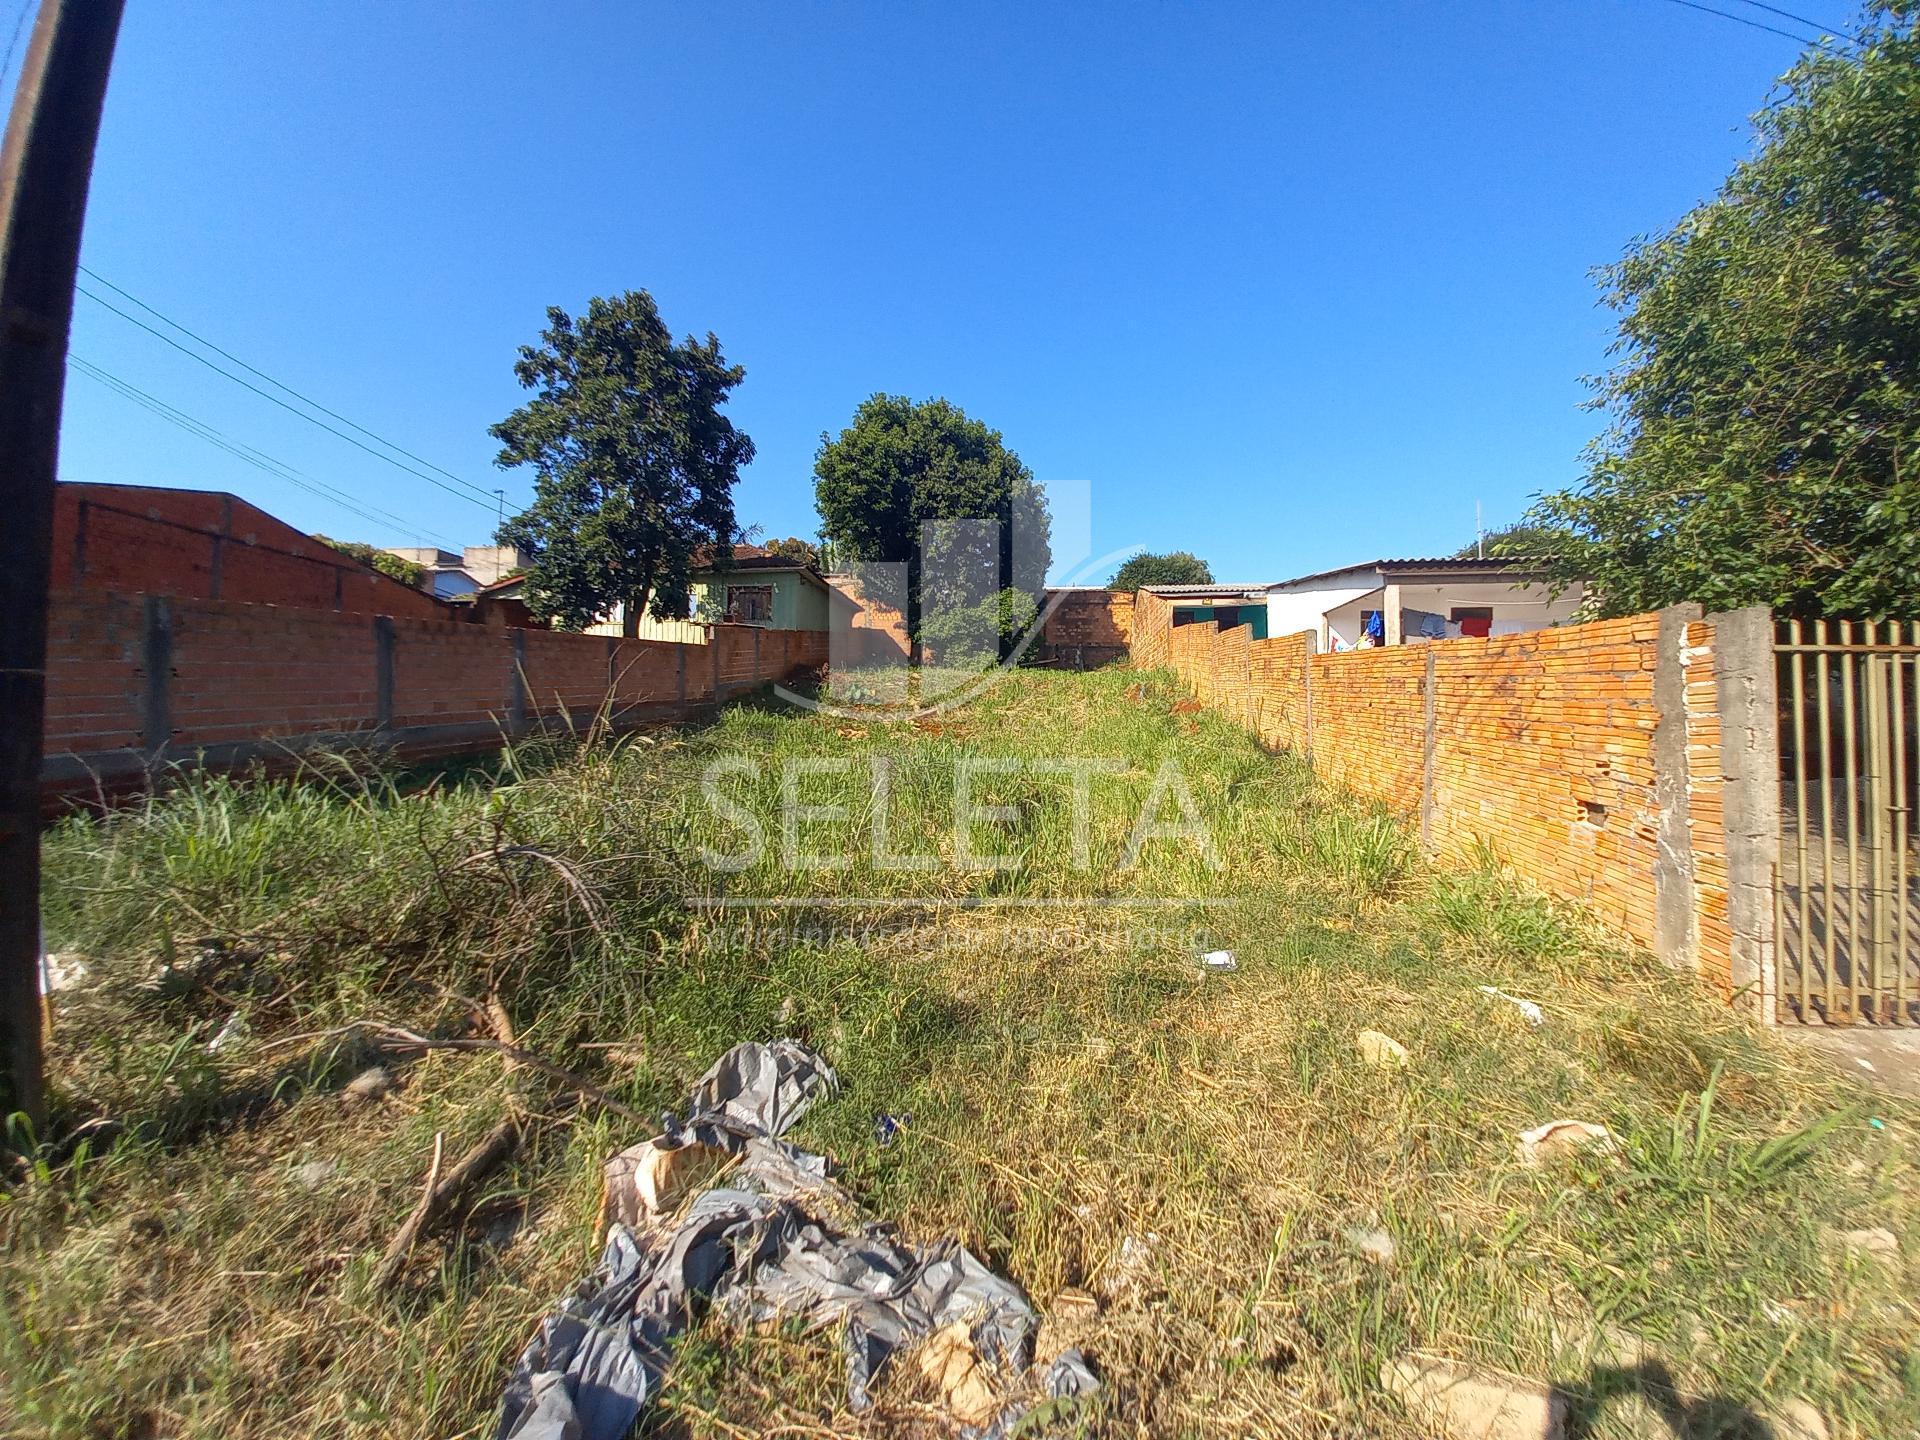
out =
column 776, row 1240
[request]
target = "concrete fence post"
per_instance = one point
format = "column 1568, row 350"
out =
column 156, row 658
column 1429, row 740
column 1748, row 690
column 383, row 671
column 517, row 685
column 1676, row 911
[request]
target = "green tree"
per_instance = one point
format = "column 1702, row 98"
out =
column 902, row 467
column 1764, row 440
column 974, row 637
column 1524, row 539
column 635, row 464
column 394, row 567
column 800, row 552
column 1176, row 567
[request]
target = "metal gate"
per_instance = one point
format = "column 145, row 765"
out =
column 1847, row 895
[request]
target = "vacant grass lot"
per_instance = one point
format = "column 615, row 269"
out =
column 1089, row 1107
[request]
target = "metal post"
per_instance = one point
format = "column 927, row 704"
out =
column 45, row 168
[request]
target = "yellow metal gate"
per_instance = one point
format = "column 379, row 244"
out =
column 1847, row 896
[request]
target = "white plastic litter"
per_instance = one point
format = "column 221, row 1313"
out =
column 234, row 1034
column 1535, row 1015
column 1219, row 960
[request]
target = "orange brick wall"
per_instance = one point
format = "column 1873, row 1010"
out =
column 1542, row 748
column 95, row 645
column 259, row 680
column 446, row 672
column 1706, row 821
column 1152, row 637
column 1545, row 751
column 1369, row 722
column 1085, row 628
column 873, row 614
column 1277, row 669
column 203, row 544
column 247, row 672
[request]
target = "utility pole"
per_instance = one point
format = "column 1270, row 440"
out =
column 45, row 168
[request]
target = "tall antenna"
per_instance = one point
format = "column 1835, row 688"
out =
column 1479, row 534
column 499, row 511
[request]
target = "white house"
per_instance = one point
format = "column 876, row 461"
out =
column 1393, row 602
column 449, row 574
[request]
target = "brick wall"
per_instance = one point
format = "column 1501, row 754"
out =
column 1150, row 643
column 206, row 545
column 1085, row 628
column 1545, row 750
column 1545, row 747
column 138, row 680
column 1706, row 793
column 873, row 613
column 1369, row 722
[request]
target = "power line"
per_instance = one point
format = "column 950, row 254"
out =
column 1756, row 24
column 18, row 21
column 473, row 499
column 1797, row 19
column 279, row 469
column 259, row 459
column 280, row 384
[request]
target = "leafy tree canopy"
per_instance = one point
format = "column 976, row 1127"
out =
column 1526, row 539
column 1177, row 567
column 634, row 463
column 904, row 466
column 974, row 637
column 393, row 566
column 1764, row 444
column 801, row 552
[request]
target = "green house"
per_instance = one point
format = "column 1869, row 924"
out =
column 757, row 587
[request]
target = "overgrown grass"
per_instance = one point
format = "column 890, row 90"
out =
column 1089, row 1107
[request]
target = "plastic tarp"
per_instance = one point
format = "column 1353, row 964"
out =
column 777, row 1239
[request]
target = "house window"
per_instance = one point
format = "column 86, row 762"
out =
column 1225, row 617
column 750, row 604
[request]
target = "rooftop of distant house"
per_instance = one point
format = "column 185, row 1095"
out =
column 752, row 557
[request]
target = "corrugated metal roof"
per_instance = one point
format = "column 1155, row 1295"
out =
column 1491, row 565
column 1195, row 592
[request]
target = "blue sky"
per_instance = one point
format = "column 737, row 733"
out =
column 1289, row 286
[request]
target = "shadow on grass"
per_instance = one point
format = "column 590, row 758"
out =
column 193, row 1112
column 1708, row 1417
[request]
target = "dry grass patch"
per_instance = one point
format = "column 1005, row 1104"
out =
column 1205, row 1155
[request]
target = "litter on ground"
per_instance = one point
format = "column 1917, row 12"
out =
column 1535, row 1015
column 1559, row 1138
column 768, row 1237
column 1219, row 960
